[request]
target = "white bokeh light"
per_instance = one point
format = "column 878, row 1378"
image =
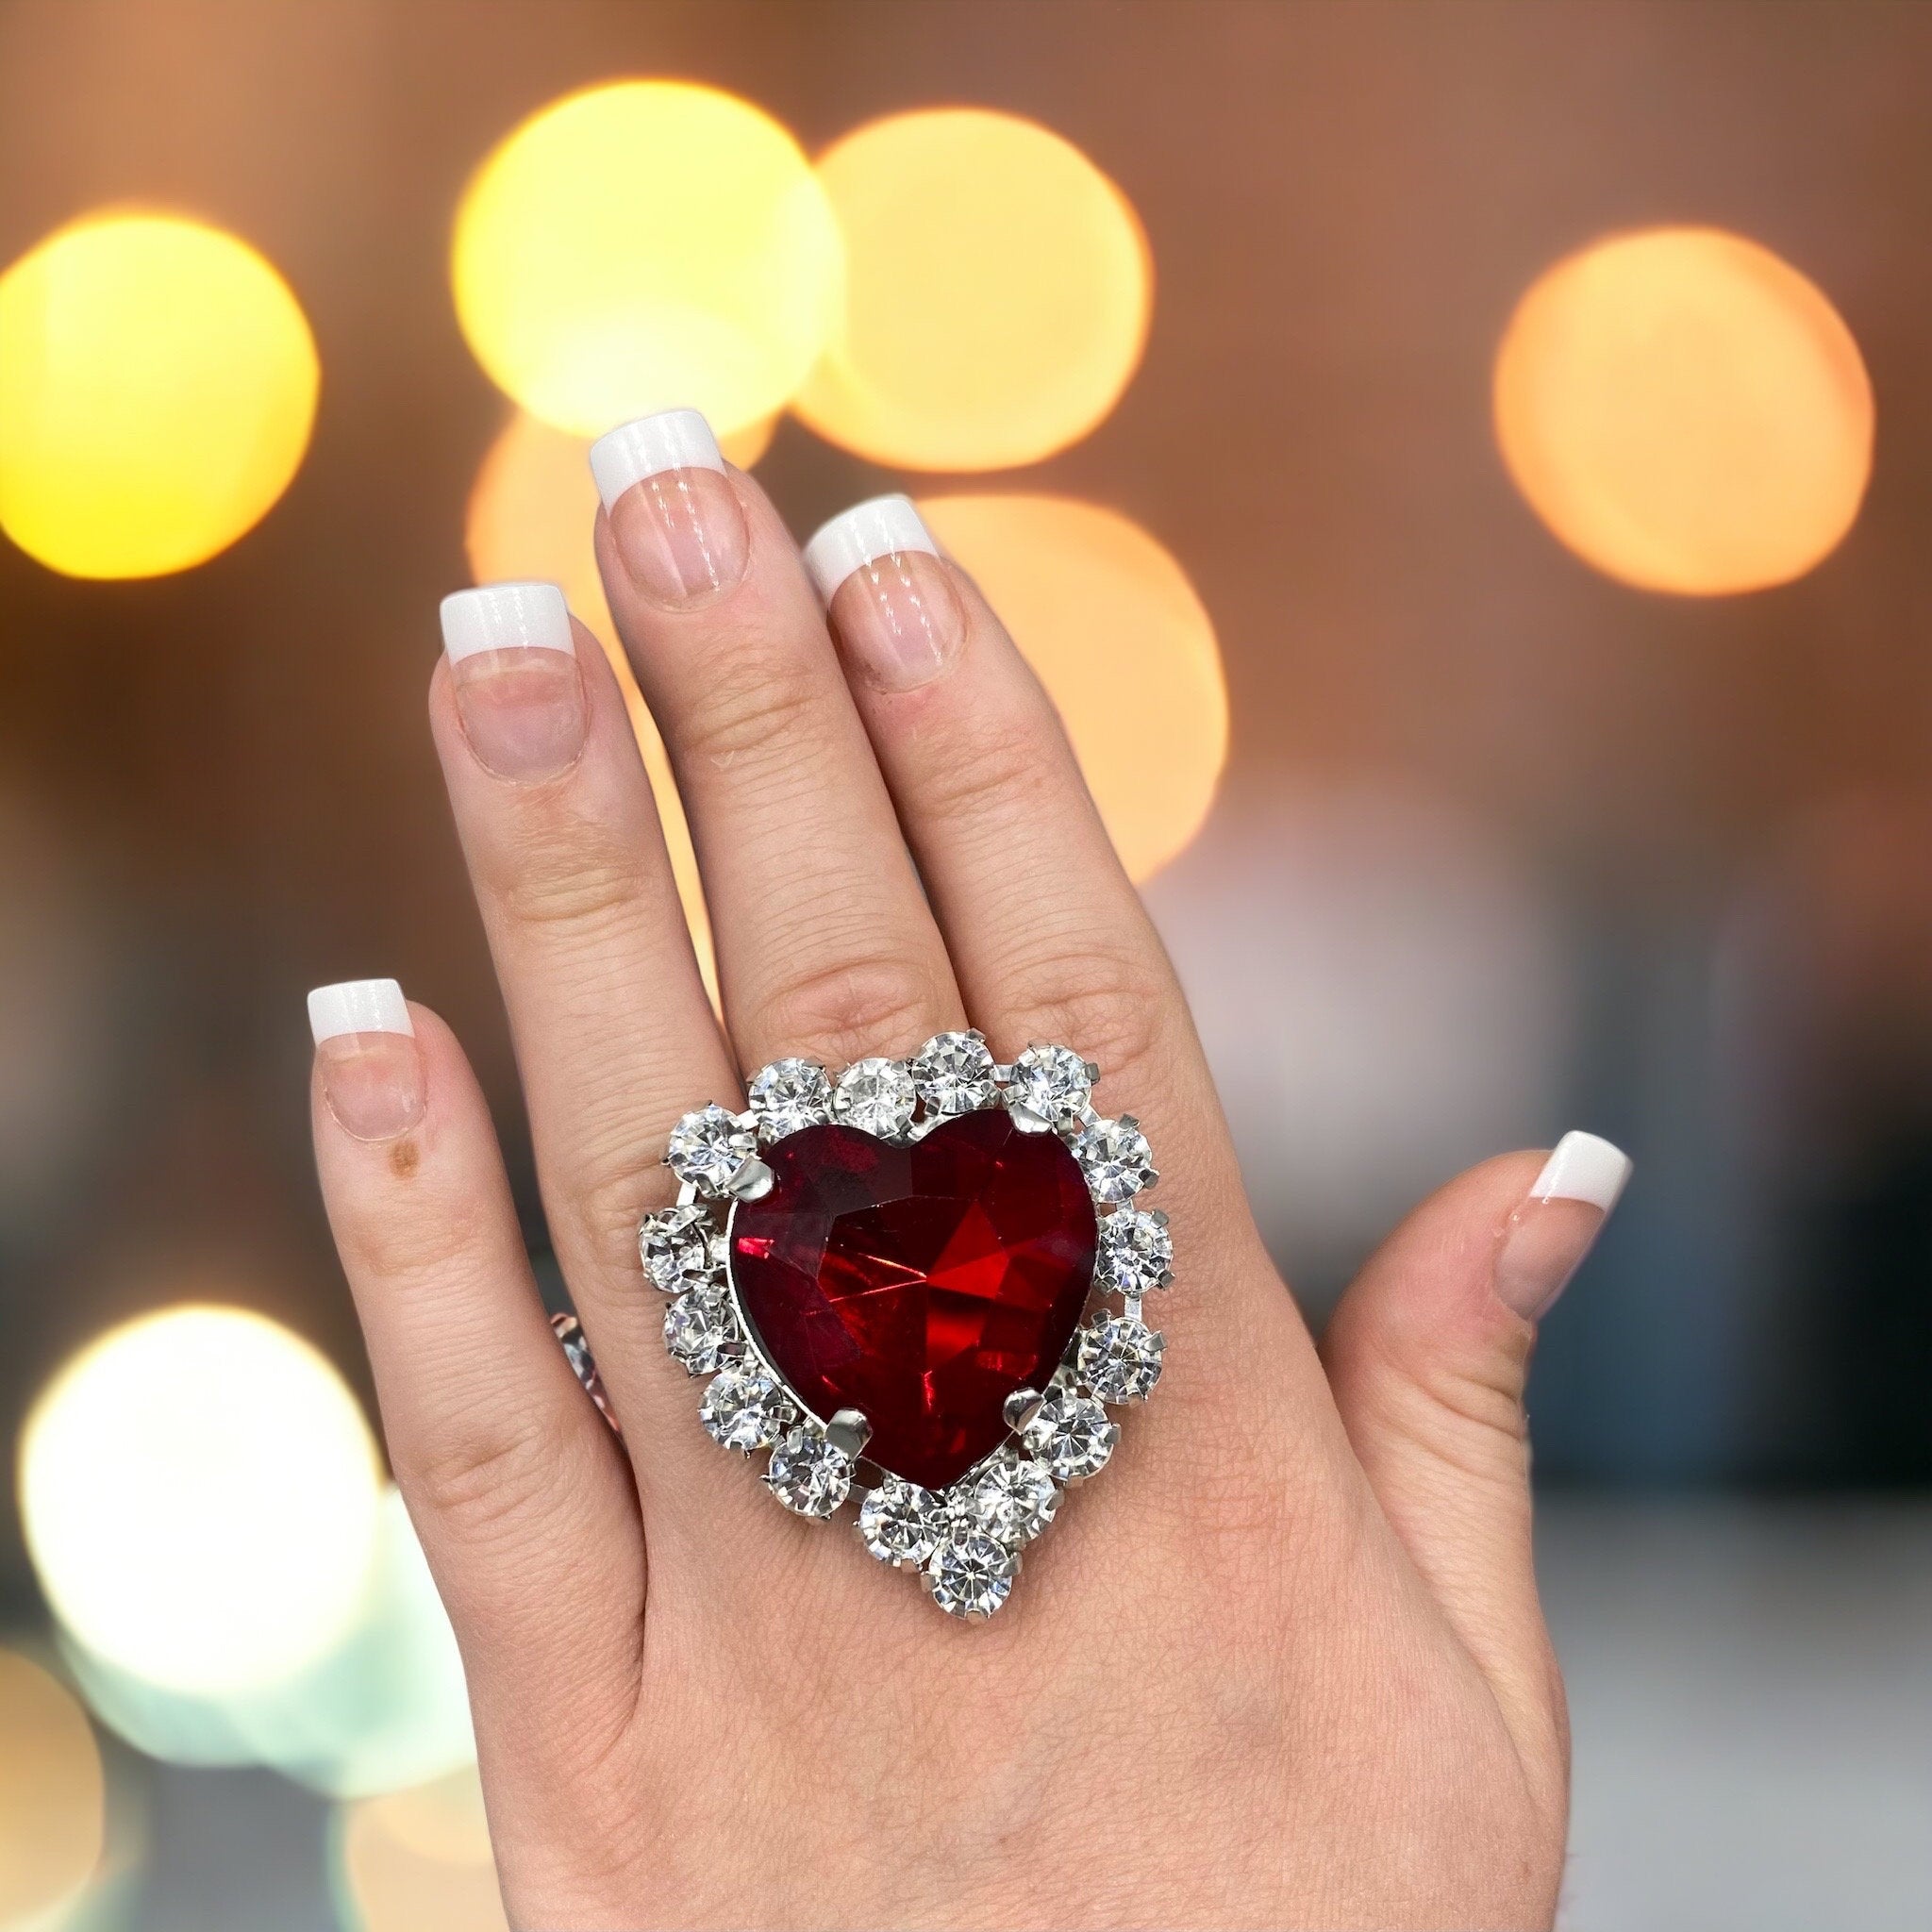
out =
column 201, row 1495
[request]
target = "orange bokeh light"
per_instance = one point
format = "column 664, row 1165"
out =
column 997, row 290
column 1686, row 411
column 532, row 508
column 1113, row 627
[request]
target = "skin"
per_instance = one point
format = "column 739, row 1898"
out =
column 1281, row 1664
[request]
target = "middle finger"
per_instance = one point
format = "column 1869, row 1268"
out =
column 825, row 947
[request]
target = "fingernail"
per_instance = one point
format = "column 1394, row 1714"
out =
column 513, row 663
column 892, row 600
column 372, row 1067
column 1556, row 1225
column 677, row 519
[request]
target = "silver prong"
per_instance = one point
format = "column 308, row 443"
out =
column 1158, row 1216
column 1027, row 1120
column 1022, row 1405
column 752, row 1182
column 1092, row 1070
column 848, row 1431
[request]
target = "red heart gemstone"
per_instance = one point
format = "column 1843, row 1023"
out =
column 922, row 1284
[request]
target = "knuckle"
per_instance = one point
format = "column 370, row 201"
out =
column 1108, row 1002
column 879, row 1003
column 569, row 872
column 752, row 700
column 485, row 1486
column 1000, row 760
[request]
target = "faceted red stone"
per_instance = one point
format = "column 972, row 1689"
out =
column 922, row 1284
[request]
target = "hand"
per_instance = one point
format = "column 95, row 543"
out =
column 1281, row 1663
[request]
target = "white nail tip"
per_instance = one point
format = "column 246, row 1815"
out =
column 675, row 440
column 862, row 534
column 359, row 1006
column 1584, row 1167
column 506, row 617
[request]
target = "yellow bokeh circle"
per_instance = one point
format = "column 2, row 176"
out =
column 158, row 386
column 646, row 245
column 201, row 1496
column 53, row 1796
column 1111, row 625
column 1686, row 411
column 997, row 293
column 419, row 1861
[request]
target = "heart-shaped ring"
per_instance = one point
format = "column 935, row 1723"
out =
column 901, row 1283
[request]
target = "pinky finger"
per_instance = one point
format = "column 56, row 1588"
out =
column 520, row 1494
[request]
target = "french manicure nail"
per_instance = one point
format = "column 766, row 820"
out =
column 365, row 1046
column 1557, row 1224
column 513, row 665
column 890, row 598
column 677, row 519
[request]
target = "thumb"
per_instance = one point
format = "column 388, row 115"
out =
column 1426, row 1355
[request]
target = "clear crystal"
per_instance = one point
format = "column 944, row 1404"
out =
column 1070, row 1433
column 1136, row 1253
column 1051, row 1082
column 808, row 1473
column 1118, row 1160
column 899, row 1522
column 953, row 1073
column 877, row 1095
column 971, row 1574
column 675, row 1245
column 741, row 1408
column 697, row 1327
column 1120, row 1358
column 707, row 1147
column 1012, row 1499
column 789, row 1094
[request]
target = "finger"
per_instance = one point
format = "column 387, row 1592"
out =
column 614, row 1035
column 825, row 947
column 1047, row 936
column 523, row 1503
column 1426, row 1355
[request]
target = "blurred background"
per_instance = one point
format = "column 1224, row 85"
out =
column 1462, row 469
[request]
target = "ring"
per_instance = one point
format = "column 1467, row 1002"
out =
column 902, row 1284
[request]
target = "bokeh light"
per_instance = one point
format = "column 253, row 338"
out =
column 1686, row 411
column 998, row 291
column 648, row 245
column 1385, row 995
column 419, row 1862
column 201, row 1498
column 532, row 508
column 158, row 386
column 53, row 1796
column 1115, row 630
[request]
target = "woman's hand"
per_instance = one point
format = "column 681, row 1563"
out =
column 1282, row 1664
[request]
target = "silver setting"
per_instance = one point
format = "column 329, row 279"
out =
column 742, row 1407
column 1053, row 1083
column 809, row 1473
column 1136, row 1252
column 699, row 1328
column 1071, row 1434
column 901, row 1524
column 876, row 1096
column 709, row 1147
column 964, row 1540
column 677, row 1246
column 1118, row 1357
column 1118, row 1160
column 971, row 1574
column 955, row 1074
column 789, row 1096
column 1009, row 1497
